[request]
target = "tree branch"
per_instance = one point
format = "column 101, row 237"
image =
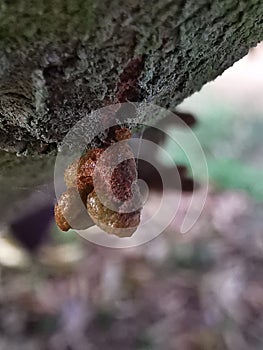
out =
column 60, row 60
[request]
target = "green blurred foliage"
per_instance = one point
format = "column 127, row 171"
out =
column 233, row 147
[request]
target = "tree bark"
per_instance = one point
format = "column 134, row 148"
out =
column 61, row 59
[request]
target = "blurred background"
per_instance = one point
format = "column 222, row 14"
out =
column 199, row 291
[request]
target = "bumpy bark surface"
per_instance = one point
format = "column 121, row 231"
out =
column 61, row 59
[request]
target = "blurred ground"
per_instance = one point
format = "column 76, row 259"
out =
column 199, row 291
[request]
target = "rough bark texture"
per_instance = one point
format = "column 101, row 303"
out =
column 61, row 59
